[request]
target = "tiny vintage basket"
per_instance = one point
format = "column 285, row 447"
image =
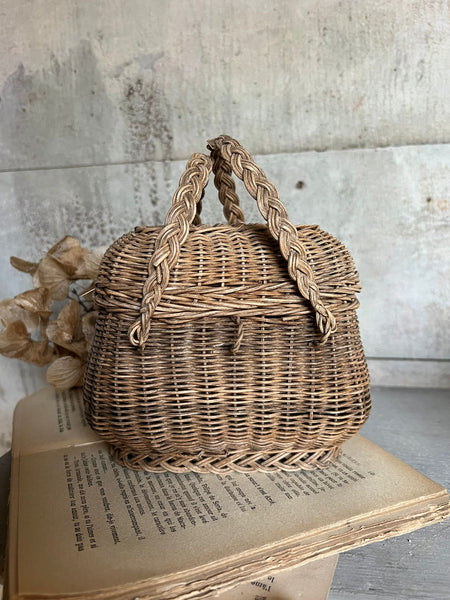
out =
column 227, row 347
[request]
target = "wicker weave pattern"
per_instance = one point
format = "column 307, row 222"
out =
column 183, row 213
column 242, row 462
column 230, row 374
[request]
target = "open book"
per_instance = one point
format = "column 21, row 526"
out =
column 82, row 526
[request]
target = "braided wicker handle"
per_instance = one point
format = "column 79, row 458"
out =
column 281, row 229
column 169, row 241
column 183, row 213
column 227, row 192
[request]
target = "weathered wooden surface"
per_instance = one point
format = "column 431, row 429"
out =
column 413, row 425
column 110, row 81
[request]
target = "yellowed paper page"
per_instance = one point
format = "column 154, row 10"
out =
column 307, row 582
column 169, row 534
column 96, row 513
column 50, row 419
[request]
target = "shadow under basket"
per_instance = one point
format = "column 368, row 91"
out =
column 226, row 347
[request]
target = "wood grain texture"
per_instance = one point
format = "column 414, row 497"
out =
column 109, row 81
column 413, row 425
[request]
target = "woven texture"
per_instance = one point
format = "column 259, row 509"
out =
column 226, row 347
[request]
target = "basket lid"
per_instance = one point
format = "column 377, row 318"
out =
column 225, row 270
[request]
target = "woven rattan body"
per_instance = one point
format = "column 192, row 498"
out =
column 232, row 373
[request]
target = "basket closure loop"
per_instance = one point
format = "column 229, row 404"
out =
column 239, row 335
column 227, row 157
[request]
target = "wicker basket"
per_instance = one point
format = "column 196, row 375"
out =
column 227, row 347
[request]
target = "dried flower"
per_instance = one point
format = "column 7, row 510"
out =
column 76, row 261
column 52, row 276
column 66, row 261
column 66, row 372
column 15, row 342
column 23, row 265
column 88, row 269
column 36, row 301
column 14, row 339
column 10, row 312
column 66, row 331
column 30, row 334
column 88, row 326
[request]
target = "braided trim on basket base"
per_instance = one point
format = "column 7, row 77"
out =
column 240, row 461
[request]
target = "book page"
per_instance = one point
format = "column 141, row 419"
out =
column 80, row 512
column 307, row 582
column 50, row 419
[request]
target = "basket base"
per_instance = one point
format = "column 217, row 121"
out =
column 239, row 461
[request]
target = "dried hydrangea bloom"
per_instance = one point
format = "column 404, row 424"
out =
column 16, row 342
column 10, row 312
column 23, row 265
column 88, row 326
column 30, row 334
column 36, row 302
column 13, row 339
column 66, row 372
column 20, row 317
column 88, row 269
column 52, row 276
column 66, row 261
column 77, row 262
column 66, row 330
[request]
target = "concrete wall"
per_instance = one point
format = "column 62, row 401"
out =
column 111, row 81
column 102, row 102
